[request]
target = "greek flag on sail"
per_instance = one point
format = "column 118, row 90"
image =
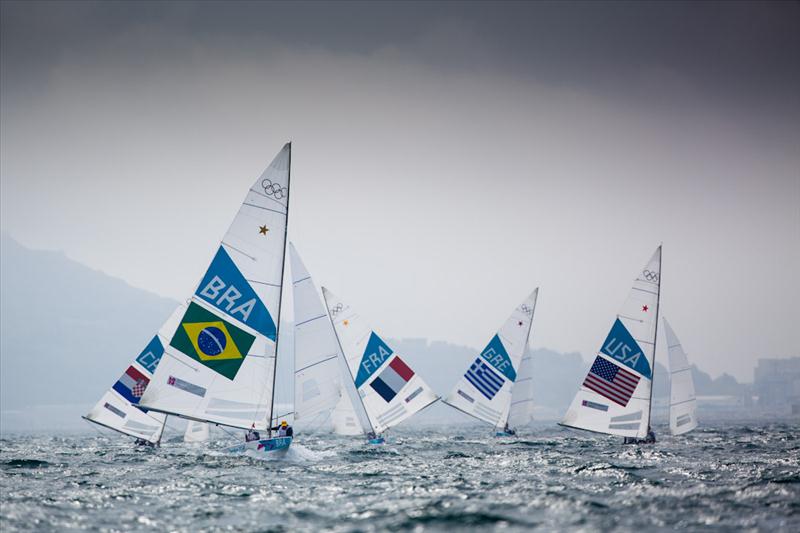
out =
column 484, row 378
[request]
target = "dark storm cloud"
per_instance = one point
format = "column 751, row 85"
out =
column 737, row 52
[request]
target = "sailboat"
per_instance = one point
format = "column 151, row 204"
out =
column 219, row 363
column 616, row 395
column 196, row 432
column 387, row 388
column 494, row 389
column 682, row 401
column 117, row 408
column 319, row 391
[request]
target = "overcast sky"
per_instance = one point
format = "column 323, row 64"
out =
column 447, row 158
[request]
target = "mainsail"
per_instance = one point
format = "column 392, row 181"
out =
column 682, row 401
column 196, row 432
column 388, row 388
column 219, row 366
column 344, row 418
column 318, row 383
column 117, row 408
column 520, row 413
column 616, row 395
column 486, row 390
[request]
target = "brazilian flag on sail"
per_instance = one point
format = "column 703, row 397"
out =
column 212, row 341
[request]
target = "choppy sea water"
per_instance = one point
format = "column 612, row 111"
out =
column 722, row 476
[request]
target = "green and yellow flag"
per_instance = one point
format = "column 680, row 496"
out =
column 212, row 341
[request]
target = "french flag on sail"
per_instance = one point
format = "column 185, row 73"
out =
column 131, row 385
column 389, row 382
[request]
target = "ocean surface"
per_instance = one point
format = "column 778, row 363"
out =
column 720, row 477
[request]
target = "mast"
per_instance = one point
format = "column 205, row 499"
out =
column 655, row 337
column 280, row 299
column 525, row 352
column 349, row 371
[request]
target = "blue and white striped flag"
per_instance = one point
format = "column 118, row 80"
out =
column 486, row 380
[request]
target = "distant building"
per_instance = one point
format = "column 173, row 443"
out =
column 777, row 383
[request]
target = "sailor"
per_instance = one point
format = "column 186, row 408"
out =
column 508, row 430
column 284, row 429
column 252, row 434
column 649, row 439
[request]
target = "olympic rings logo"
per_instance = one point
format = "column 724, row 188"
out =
column 274, row 189
column 649, row 275
column 336, row 309
column 525, row 309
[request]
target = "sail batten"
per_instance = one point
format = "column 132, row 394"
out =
column 221, row 356
column 615, row 397
column 488, row 387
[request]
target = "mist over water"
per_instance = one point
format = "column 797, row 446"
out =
column 720, row 476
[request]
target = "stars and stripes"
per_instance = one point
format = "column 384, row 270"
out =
column 610, row 381
column 484, row 378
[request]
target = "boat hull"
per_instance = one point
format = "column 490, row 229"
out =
column 377, row 441
column 504, row 434
column 276, row 444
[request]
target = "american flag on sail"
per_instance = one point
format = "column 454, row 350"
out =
column 609, row 380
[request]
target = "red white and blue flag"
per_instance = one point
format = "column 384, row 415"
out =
column 131, row 385
column 608, row 380
column 394, row 377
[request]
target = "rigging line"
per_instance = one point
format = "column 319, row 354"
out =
column 237, row 439
column 301, row 280
column 631, row 318
column 681, row 370
column 235, row 249
column 264, row 208
column 334, row 356
column 310, row 320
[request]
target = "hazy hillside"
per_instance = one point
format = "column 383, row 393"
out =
column 66, row 331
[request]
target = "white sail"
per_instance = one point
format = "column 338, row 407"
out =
column 318, row 389
column 485, row 389
column 615, row 396
column 117, row 408
column 520, row 413
column 196, row 432
column 344, row 418
column 389, row 389
column 220, row 365
column 682, row 401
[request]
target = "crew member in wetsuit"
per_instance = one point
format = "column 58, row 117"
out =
column 284, row 429
column 508, row 430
